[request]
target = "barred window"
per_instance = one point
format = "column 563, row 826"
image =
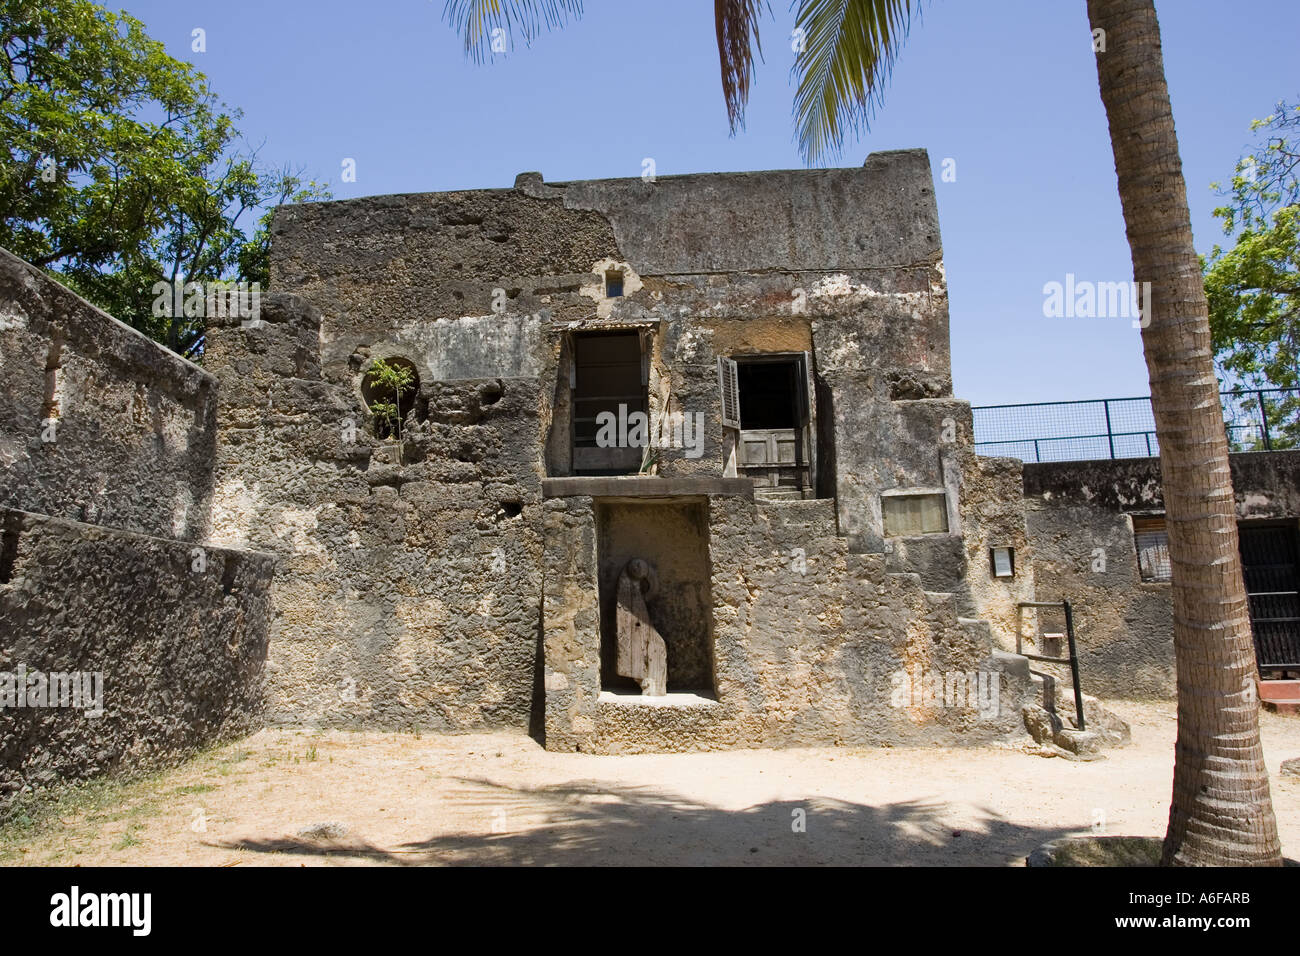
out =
column 1152, row 542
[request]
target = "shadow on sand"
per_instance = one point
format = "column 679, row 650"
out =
column 578, row 824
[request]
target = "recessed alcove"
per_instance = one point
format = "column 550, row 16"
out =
column 672, row 536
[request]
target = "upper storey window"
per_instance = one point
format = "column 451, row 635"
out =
column 613, row 283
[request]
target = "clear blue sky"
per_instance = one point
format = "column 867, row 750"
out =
column 1007, row 88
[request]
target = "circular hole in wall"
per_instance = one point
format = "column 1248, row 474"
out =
column 376, row 392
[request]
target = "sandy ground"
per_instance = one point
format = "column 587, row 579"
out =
column 402, row 799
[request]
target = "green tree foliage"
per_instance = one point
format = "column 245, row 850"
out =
column 119, row 167
column 389, row 382
column 1254, row 287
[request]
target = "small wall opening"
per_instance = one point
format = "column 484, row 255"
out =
column 376, row 394
column 613, row 283
column 9, row 535
column 672, row 536
column 1151, row 539
column 52, row 407
column 229, row 569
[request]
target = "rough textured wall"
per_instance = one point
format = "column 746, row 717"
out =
column 570, row 622
column 796, row 220
column 134, row 424
column 177, row 633
column 419, row 271
column 409, row 587
column 482, row 292
column 812, row 642
column 490, row 283
column 994, row 517
column 1079, row 512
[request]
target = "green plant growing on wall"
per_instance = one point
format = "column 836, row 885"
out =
column 649, row 460
column 390, row 383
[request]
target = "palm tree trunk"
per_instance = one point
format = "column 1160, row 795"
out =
column 1222, row 812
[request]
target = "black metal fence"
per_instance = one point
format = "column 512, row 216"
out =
column 1255, row 420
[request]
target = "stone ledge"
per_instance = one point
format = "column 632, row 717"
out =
column 631, row 698
column 644, row 486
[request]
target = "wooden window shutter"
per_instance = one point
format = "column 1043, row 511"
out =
column 729, row 386
column 802, row 371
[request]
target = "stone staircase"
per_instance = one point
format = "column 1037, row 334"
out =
column 1029, row 701
column 1051, row 719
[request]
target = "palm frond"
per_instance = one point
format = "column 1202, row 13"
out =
column 474, row 20
column 737, row 22
column 849, row 51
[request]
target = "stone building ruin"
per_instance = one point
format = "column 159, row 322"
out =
column 741, row 380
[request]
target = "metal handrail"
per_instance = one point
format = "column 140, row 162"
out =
column 1072, row 659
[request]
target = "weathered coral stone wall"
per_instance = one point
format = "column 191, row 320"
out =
column 808, row 651
column 408, row 590
column 416, row 580
column 106, row 455
column 179, row 650
column 1080, row 512
column 134, row 425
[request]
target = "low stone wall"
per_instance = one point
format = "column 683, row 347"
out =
column 167, row 637
column 97, row 422
column 1081, row 530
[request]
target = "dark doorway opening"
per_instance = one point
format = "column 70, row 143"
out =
column 1270, row 559
column 775, row 442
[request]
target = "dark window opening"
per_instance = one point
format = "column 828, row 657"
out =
column 768, row 394
column 228, row 572
column 608, row 386
column 8, row 549
column 613, row 283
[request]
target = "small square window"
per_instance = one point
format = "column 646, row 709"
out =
column 1003, row 561
column 1152, row 543
column 613, row 283
column 909, row 515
